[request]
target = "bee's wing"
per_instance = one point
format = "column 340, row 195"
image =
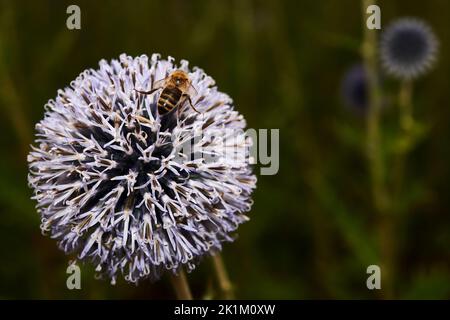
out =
column 159, row 83
column 191, row 90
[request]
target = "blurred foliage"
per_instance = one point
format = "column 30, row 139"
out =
column 313, row 228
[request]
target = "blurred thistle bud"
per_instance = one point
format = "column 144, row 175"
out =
column 354, row 89
column 408, row 48
column 113, row 184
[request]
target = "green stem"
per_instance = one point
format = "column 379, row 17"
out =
column 374, row 152
column 225, row 285
column 406, row 123
column 405, row 104
column 375, row 158
column 181, row 285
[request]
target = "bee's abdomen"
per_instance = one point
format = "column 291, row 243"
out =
column 168, row 100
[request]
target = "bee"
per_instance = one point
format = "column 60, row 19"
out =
column 177, row 89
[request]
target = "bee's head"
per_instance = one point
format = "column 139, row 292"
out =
column 179, row 78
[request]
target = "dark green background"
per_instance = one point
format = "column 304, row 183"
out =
column 313, row 228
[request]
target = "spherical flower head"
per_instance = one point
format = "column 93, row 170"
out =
column 408, row 48
column 354, row 88
column 134, row 192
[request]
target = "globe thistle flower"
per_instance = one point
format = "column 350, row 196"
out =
column 408, row 48
column 354, row 90
column 114, row 182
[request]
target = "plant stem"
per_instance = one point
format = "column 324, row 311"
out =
column 405, row 104
column 181, row 285
column 369, row 52
column 374, row 152
column 406, row 123
column 225, row 285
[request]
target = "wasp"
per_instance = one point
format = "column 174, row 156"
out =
column 177, row 89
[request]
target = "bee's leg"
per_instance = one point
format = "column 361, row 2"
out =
column 146, row 92
column 188, row 98
column 178, row 111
